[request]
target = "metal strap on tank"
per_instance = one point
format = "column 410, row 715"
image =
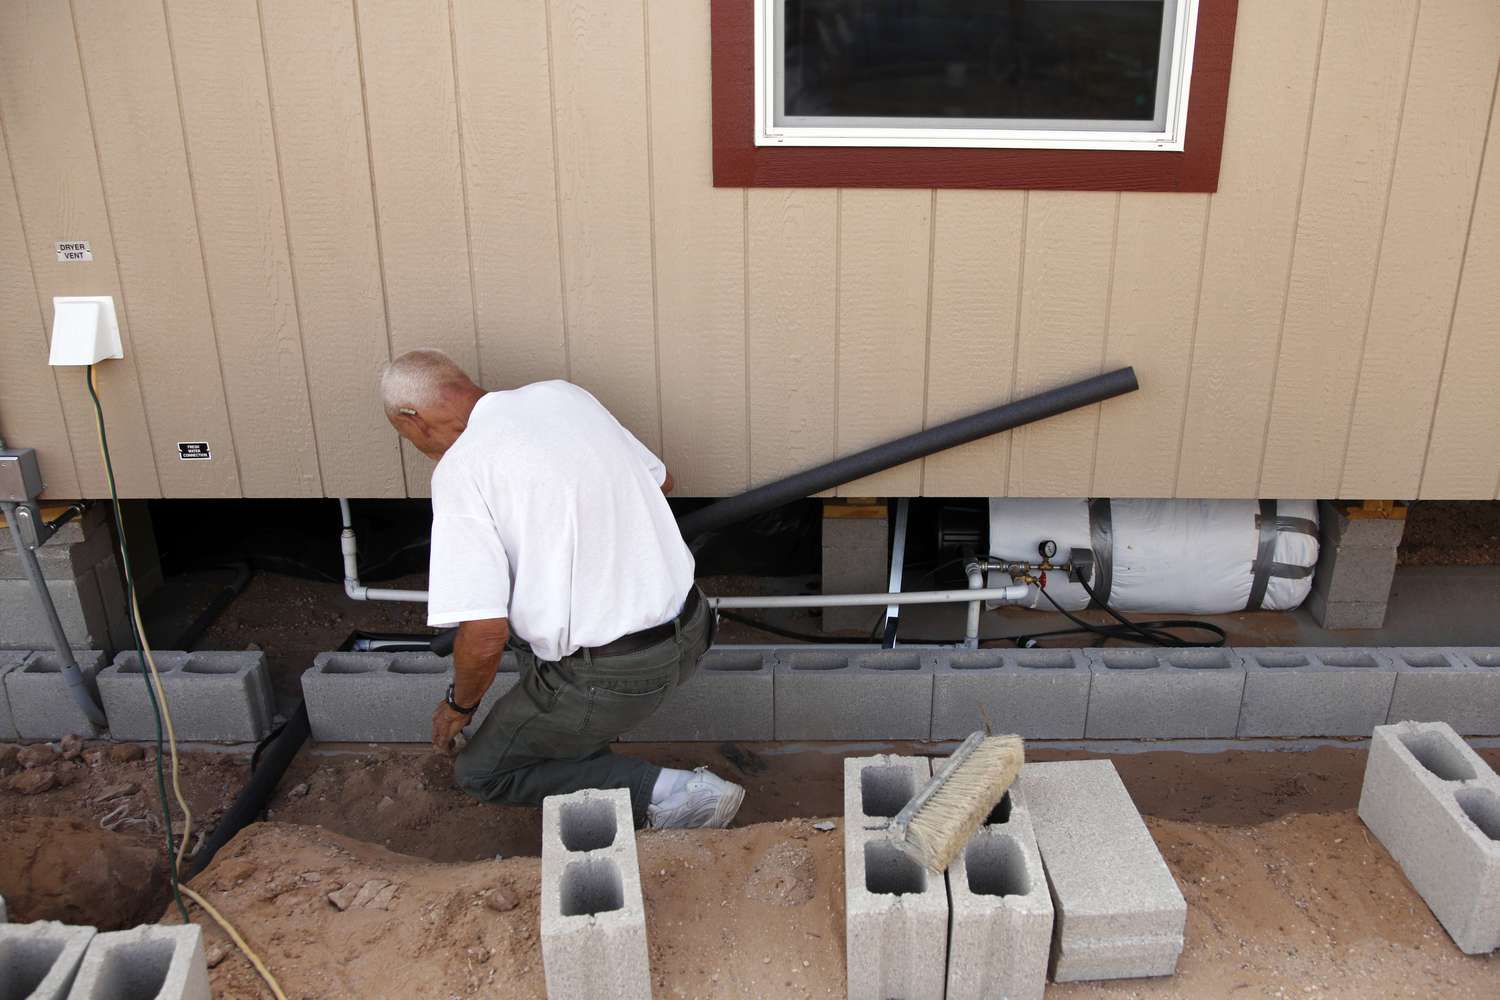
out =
column 1269, row 524
column 1102, row 541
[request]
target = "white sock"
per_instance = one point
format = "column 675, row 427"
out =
column 668, row 783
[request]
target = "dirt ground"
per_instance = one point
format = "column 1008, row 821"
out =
column 1288, row 896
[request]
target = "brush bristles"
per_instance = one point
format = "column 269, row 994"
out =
column 967, row 794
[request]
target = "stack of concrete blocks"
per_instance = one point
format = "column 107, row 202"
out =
column 1303, row 691
column 593, row 915
column 728, row 697
column 9, row 660
column 386, row 697
column 1119, row 914
column 41, row 706
column 1458, row 686
column 1356, row 564
column 850, row 695
column 39, row 961
column 83, row 576
column 1435, row 805
column 1002, row 912
column 856, row 538
column 1164, row 693
column 153, row 962
column 222, row 697
column 896, row 912
column 1035, row 693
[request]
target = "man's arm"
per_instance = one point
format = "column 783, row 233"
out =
column 667, row 483
column 476, row 657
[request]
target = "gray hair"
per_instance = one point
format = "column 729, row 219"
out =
column 419, row 379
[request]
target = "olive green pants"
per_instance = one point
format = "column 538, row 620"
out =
column 550, row 734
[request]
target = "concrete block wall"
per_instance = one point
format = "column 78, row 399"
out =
column 41, row 706
column 826, row 694
column 896, row 912
column 1118, row 912
column 84, row 579
column 1035, row 693
column 1356, row 564
column 1458, row 686
column 593, row 917
column 729, row 697
column 855, row 560
column 1001, row 929
column 1435, row 805
column 9, row 660
column 39, row 961
column 1304, row 691
column 1145, row 693
column 217, row 697
column 153, row 961
column 386, row 697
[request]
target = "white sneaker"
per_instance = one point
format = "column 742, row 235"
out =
column 707, row 800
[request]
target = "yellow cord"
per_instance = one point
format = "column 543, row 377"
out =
column 166, row 717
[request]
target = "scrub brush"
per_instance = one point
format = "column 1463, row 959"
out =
column 935, row 825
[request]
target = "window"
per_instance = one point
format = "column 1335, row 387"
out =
column 1047, row 94
column 1059, row 74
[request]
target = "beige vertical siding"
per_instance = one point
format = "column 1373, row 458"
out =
column 282, row 193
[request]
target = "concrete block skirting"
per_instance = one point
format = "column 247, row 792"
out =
column 1304, row 691
column 1458, row 686
column 729, row 697
column 896, row 912
column 9, row 660
column 1164, row 693
column 386, row 697
column 1118, row 912
column 850, row 695
column 593, row 916
column 1435, row 805
column 40, row 703
column 154, row 960
column 1001, row 932
column 217, row 697
column 1035, row 693
column 38, row 961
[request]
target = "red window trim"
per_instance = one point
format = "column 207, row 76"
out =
column 738, row 162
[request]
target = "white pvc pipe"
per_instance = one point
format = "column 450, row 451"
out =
column 1012, row 593
column 971, row 627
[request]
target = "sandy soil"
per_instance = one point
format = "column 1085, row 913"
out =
column 1451, row 533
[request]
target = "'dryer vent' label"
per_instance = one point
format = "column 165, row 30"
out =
column 74, row 250
column 192, row 451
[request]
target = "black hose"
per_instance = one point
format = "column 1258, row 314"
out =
column 892, row 453
column 226, row 595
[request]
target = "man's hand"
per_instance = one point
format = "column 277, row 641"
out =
column 446, row 724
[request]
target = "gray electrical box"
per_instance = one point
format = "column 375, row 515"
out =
column 20, row 475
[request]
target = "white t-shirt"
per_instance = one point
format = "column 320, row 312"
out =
column 549, row 513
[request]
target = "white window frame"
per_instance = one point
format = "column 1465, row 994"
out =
column 1180, row 27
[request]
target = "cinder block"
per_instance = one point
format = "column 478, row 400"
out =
column 844, row 695
column 39, row 961
column 79, row 606
column 216, row 697
column 1002, row 911
column 65, row 556
column 1356, row 575
column 729, row 697
column 9, row 660
column 1339, row 530
column 40, row 702
column 1118, row 911
column 1035, row 693
column 896, row 912
column 1306, row 691
column 1345, row 614
column 386, row 697
column 153, row 962
column 593, row 916
column 1164, row 693
column 1435, row 805
column 1447, row 685
column 855, row 561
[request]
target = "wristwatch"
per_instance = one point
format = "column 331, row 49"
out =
column 460, row 709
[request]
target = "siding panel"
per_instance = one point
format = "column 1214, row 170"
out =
column 700, row 265
column 227, row 121
column 320, row 132
column 1249, row 248
column 975, row 288
column 882, row 328
column 1448, row 99
column 1064, row 309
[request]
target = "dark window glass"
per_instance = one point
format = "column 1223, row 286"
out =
column 1075, row 59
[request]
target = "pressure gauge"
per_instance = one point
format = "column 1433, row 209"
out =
column 1048, row 549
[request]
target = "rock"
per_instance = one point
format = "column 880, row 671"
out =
column 502, row 900
column 825, row 826
column 117, row 791
column 93, row 758
column 374, row 894
column 298, row 791
column 38, row 755
column 72, row 747
column 216, row 953
column 477, row 954
column 34, row 781
column 384, row 804
column 124, row 753
column 8, row 761
column 343, row 897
